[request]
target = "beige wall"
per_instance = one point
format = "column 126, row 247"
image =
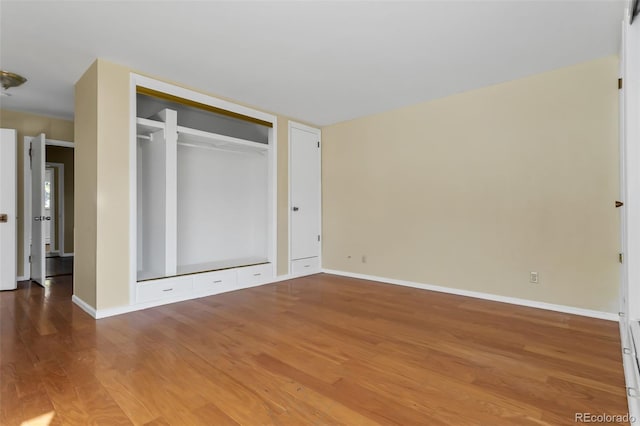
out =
column 62, row 155
column 86, row 132
column 102, row 130
column 476, row 190
column 112, row 254
column 31, row 125
column 102, row 199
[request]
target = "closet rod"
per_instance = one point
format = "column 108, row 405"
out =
column 144, row 137
column 205, row 107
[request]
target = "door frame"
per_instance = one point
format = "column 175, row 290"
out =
column 629, row 103
column 318, row 132
column 59, row 218
column 630, row 183
column 26, row 202
column 624, row 290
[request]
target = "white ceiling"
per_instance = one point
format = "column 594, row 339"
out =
column 321, row 62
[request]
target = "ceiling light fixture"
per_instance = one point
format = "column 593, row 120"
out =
column 9, row 80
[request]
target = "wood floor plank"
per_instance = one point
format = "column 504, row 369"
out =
column 210, row 414
column 319, row 350
column 127, row 399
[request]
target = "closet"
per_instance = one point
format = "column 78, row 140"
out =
column 204, row 204
column 305, row 199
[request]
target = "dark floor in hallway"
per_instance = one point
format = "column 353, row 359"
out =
column 56, row 266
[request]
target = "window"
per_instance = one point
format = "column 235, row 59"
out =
column 47, row 194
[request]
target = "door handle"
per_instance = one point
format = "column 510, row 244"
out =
column 4, row 218
column 619, row 204
column 295, row 209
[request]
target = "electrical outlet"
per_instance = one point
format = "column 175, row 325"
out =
column 533, row 277
column 364, row 258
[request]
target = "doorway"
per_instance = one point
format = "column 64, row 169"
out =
column 56, row 263
column 48, row 203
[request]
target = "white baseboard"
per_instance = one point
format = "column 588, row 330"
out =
column 66, row 254
column 279, row 278
column 22, row 278
column 486, row 296
column 302, row 275
column 119, row 310
column 84, row 306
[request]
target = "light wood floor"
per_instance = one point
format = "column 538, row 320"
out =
column 318, row 350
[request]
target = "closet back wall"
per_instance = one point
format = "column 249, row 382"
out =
column 476, row 190
column 230, row 189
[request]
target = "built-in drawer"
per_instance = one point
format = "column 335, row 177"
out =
column 250, row 276
column 215, row 282
column 308, row 266
column 167, row 288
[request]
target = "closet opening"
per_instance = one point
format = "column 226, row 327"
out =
column 204, row 187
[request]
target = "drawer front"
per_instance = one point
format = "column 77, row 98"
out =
column 215, row 282
column 307, row 266
column 167, row 288
column 254, row 275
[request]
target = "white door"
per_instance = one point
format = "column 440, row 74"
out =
column 304, row 160
column 38, row 217
column 8, row 216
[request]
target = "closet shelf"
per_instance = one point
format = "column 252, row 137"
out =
column 201, row 139
column 221, row 264
column 197, row 268
column 146, row 127
column 149, row 275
